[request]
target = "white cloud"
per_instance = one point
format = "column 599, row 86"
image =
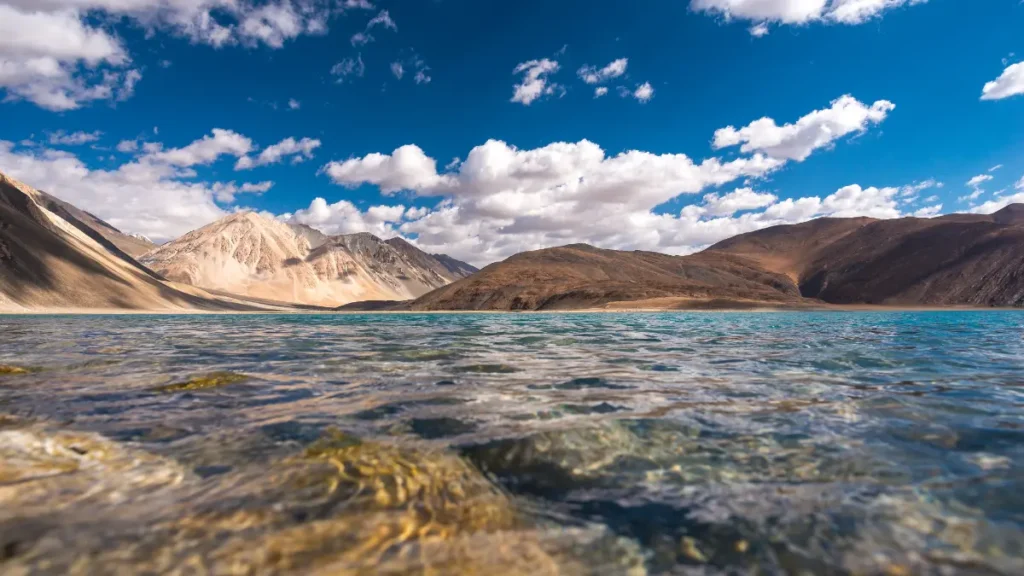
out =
column 299, row 150
column 1010, row 83
column 58, row 55
column 591, row 74
column 978, row 180
column 343, row 217
column 644, row 92
column 736, row 201
column 400, row 68
column 759, row 30
column 975, row 184
column 600, row 91
column 501, row 199
column 155, row 194
column 407, row 168
column 128, row 146
column 144, row 196
column 818, row 129
column 349, row 67
column 225, row 192
column 62, row 138
column 535, row 80
column 800, row 11
column 204, row 151
column 294, row 104
column 382, row 19
column 996, row 167
column 916, row 187
column 928, row 211
column 999, row 203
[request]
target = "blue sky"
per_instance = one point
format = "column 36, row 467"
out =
column 169, row 72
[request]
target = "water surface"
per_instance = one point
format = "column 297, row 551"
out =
column 704, row 443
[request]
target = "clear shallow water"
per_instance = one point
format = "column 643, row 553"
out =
column 832, row 443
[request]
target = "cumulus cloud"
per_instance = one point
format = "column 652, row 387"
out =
column 502, row 199
column 535, row 81
column 294, row 104
column 407, row 168
column 798, row 11
column 600, row 91
column 156, row 193
column 1010, row 83
column 398, row 70
column 1000, row 202
column 644, row 92
column 593, row 75
column 736, row 201
column 128, row 146
column 58, row 55
column 205, row 150
column 344, row 217
column 62, row 138
column 299, row 150
column 797, row 141
column 143, row 196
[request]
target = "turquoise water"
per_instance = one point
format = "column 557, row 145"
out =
column 705, row 443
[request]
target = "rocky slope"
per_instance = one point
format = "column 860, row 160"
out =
column 956, row 260
column 54, row 256
column 260, row 257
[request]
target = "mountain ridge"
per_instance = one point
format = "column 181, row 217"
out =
column 255, row 256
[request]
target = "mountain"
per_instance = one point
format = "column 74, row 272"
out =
column 259, row 257
column 134, row 245
column 960, row 259
column 53, row 255
column 582, row 276
column 955, row 260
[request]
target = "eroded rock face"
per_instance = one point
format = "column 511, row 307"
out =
column 78, row 503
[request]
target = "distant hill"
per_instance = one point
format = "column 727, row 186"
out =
column 956, row 260
column 260, row 257
column 582, row 276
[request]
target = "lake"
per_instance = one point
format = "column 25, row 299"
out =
column 704, row 443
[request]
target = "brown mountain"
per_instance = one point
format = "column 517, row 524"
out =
column 961, row 259
column 260, row 257
column 53, row 255
column 581, row 276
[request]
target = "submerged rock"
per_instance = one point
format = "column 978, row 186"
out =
column 10, row 370
column 341, row 506
column 212, row 380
